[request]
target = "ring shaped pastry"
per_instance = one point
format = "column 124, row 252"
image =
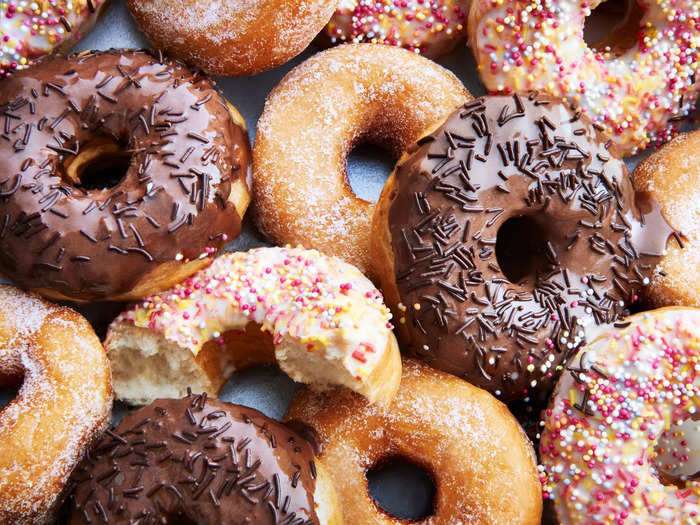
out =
column 480, row 460
column 636, row 84
column 602, row 443
column 338, row 98
column 62, row 406
column 122, row 173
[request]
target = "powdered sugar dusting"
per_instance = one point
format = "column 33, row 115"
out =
column 315, row 116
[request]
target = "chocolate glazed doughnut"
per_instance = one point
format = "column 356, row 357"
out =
column 504, row 233
column 120, row 174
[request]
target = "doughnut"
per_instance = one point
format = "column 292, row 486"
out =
column 312, row 120
column 432, row 28
column 62, row 405
column 30, row 30
column 319, row 318
column 479, row 459
column 199, row 460
column 504, row 234
column 671, row 175
column 120, row 174
column 232, row 37
column 637, row 85
column 617, row 397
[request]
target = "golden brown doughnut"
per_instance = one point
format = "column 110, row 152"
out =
column 63, row 403
column 480, row 460
column 232, row 37
column 672, row 176
column 338, row 98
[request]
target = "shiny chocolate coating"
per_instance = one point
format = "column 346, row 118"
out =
column 514, row 226
column 196, row 460
column 172, row 204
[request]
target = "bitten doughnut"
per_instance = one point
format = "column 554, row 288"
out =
column 319, row 318
column 199, row 460
column 232, row 37
column 637, row 85
column 29, row 30
column 622, row 392
column 322, row 109
column 120, row 174
column 503, row 234
column 671, row 175
column 432, row 28
column 480, row 460
column 62, row 405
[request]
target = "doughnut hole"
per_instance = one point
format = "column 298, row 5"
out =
column 613, row 26
column 100, row 164
column 678, row 453
column 520, row 249
column 368, row 167
column 402, row 489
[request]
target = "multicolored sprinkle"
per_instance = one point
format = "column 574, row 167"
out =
column 638, row 97
column 607, row 432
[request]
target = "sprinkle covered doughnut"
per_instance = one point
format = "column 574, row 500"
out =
column 503, row 234
column 238, row 466
column 29, row 30
column 232, row 37
column 120, row 174
column 479, row 458
column 319, row 318
column 637, row 92
column 671, row 175
column 432, row 28
column 323, row 108
column 62, row 405
column 616, row 399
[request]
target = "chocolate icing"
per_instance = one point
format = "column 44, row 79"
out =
column 172, row 204
column 584, row 253
column 196, row 460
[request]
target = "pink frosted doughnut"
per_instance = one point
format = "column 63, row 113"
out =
column 611, row 414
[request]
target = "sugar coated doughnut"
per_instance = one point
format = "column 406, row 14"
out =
column 505, row 232
column 232, row 37
column 121, row 173
column 323, row 108
column 480, row 460
column 199, row 460
column 432, row 28
column 29, row 30
column 671, row 175
column 636, row 88
column 318, row 317
column 619, row 395
column 62, row 405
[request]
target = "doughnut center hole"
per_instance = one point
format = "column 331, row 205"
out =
column 678, row 453
column 520, row 249
column 99, row 165
column 613, row 26
column 368, row 167
column 402, row 489
column 7, row 394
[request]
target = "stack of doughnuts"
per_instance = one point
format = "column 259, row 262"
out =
column 504, row 259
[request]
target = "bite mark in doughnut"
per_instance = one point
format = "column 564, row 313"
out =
column 617, row 397
column 319, row 318
column 62, row 405
column 637, row 95
column 432, row 28
column 323, row 108
column 480, row 460
column 200, row 460
column 181, row 152
column 29, row 30
column 671, row 175
column 505, row 232
column 232, row 37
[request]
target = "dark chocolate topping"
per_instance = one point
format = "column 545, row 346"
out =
column 200, row 461
column 183, row 151
column 513, row 227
